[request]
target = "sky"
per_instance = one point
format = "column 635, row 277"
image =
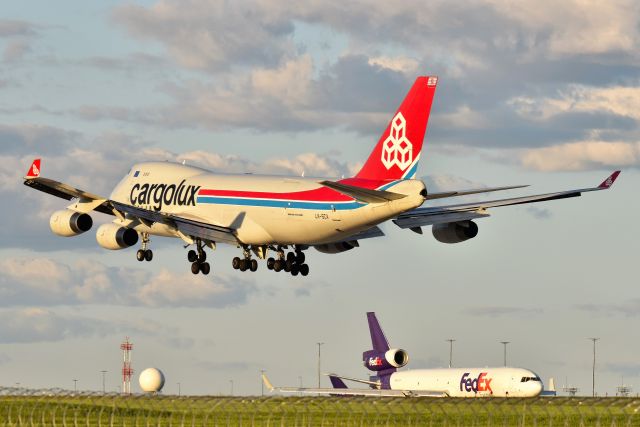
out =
column 540, row 93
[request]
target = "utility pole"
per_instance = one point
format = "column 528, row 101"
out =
column 75, row 385
column 179, row 389
column 103, row 382
column 319, row 345
column 593, row 370
column 261, row 382
column 451, row 340
column 231, row 381
column 504, row 343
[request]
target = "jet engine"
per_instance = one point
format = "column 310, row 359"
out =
column 335, row 248
column 69, row 223
column 392, row 358
column 455, row 232
column 113, row 236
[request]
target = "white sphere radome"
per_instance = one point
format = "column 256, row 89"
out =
column 151, row 380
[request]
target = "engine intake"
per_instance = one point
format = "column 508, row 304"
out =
column 455, row 232
column 69, row 223
column 335, row 248
column 114, row 237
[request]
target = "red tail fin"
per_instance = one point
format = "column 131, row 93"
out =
column 397, row 153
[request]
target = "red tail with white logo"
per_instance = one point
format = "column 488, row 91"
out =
column 397, row 153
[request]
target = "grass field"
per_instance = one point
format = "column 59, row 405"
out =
column 110, row 410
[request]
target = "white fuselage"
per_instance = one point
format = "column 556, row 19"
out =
column 263, row 210
column 470, row 382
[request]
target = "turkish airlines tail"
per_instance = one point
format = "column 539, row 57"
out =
column 397, row 153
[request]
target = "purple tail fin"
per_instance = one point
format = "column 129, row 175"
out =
column 337, row 382
column 378, row 340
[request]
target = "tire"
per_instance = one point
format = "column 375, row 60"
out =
column 295, row 270
column 291, row 257
column 243, row 265
column 288, row 265
column 148, row 254
column 205, row 268
column 192, row 256
column 304, row 269
column 140, row 255
column 236, row 263
column 195, row 268
column 270, row 263
column 253, row 265
column 202, row 257
column 300, row 257
column 277, row 265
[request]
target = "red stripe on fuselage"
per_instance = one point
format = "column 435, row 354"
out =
column 322, row 194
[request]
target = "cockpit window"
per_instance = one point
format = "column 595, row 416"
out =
column 526, row 379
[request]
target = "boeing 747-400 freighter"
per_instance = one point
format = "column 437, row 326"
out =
column 280, row 215
column 445, row 382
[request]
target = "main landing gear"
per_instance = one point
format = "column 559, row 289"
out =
column 246, row 263
column 144, row 253
column 198, row 260
column 293, row 263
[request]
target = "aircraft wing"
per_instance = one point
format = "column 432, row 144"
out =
column 367, row 392
column 443, row 214
column 87, row 202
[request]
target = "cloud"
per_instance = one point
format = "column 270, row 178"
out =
column 12, row 28
column 583, row 155
column 500, row 311
column 37, row 325
column 630, row 308
column 44, row 282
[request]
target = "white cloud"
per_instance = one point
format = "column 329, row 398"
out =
column 582, row 156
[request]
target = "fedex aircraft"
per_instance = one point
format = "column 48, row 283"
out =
column 279, row 215
column 449, row 382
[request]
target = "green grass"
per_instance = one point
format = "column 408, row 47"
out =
column 98, row 410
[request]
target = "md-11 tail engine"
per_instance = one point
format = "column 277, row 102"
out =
column 378, row 361
column 113, row 236
column 335, row 248
column 69, row 223
column 455, row 232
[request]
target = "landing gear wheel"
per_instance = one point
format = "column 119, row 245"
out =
column 291, row 257
column 205, row 268
column 270, row 263
column 295, row 270
column 192, row 256
column 148, row 255
column 140, row 255
column 304, row 269
column 300, row 257
column 288, row 265
column 236, row 263
column 277, row 265
column 254, row 265
column 195, row 268
column 202, row 257
column 243, row 265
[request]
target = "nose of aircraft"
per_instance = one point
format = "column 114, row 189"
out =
column 536, row 387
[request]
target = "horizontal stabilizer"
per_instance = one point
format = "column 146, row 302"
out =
column 363, row 194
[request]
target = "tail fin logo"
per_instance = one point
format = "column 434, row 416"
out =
column 397, row 149
column 34, row 170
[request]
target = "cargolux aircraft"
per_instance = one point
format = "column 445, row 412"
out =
column 448, row 382
column 277, row 214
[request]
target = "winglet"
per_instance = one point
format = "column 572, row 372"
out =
column 267, row 383
column 609, row 181
column 34, row 169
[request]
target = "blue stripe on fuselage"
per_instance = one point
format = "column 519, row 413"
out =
column 339, row 206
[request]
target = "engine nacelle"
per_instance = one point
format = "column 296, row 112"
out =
column 335, row 248
column 69, row 223
column 113, row 236
column 455, row 232
column 393, row 358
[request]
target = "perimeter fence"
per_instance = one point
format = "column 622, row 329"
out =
column 20, row 407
